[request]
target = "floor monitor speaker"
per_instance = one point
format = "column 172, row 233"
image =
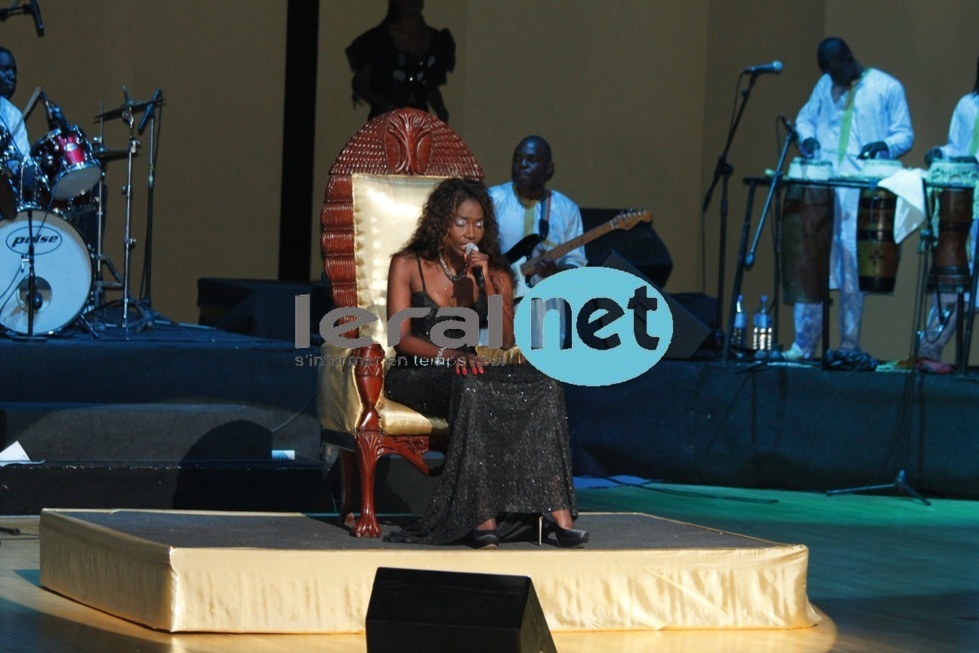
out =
column 423, row 611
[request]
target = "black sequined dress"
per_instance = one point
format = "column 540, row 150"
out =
column 508, row 453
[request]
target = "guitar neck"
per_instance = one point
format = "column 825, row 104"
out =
column 528, row 267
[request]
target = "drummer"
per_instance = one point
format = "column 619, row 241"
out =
column 962, row 146
column 854, row 113
column 10, row 116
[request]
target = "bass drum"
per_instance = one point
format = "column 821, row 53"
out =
column 63, row 272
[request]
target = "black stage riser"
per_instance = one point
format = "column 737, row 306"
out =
column 156, row 432
column 270, row 487
column 778, row 427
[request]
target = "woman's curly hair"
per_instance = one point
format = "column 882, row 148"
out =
column 436, row 219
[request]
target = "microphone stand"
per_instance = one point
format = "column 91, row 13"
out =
column 773, row 191
column 14, row 10
column 151, row 118
column 914, row 378
column 723, row 171
column 31, row 270
column 747, row 260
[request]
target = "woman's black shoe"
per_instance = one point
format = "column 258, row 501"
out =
column 567, row 538
column 486, row 539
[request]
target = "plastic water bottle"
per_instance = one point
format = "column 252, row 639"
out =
column 761, row 333
column 739, row 336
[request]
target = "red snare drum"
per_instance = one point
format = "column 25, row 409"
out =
column 66, row 159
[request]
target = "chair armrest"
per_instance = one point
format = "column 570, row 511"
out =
column 338, row 399
column 498, row 356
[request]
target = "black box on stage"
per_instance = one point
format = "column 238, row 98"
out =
column 415, row 610
column 689, row 332
column 641, row 245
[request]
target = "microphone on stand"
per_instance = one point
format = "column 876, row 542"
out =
column 793, row 134
column 35, row 10
column 774, row 68
column 56, row 119
column 152, row 105
column 477, row 272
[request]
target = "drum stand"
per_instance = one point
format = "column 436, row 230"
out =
column 966, row 341
column 914, row 379
column 100, row 285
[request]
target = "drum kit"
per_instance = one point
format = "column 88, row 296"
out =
column 51, row 226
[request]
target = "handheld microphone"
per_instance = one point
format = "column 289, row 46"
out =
column 774, row 68
column 477, row 272
column 35, row 10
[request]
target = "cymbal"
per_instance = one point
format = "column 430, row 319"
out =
column 102, row 153
column 129, row 105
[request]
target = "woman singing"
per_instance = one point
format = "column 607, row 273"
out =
column 508, row 460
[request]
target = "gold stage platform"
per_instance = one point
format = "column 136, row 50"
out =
column 293, row 573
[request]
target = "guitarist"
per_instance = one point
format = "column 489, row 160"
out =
column 525, row 206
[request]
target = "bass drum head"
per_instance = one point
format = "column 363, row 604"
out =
column 62, row 267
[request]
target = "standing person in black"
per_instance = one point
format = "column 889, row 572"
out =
column 402, row 62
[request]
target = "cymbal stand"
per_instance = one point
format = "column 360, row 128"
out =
column 914, row 379
column 98, row 296
column 128, row 242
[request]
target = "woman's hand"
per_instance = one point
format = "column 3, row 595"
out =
column 477, row 259
column 465, row 362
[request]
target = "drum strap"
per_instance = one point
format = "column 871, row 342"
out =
column 974, row 145
column 848, row 117
column 530, row 216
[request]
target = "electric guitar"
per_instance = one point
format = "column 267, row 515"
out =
column 524, row 266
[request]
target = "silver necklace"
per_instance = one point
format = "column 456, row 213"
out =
column 452, row 276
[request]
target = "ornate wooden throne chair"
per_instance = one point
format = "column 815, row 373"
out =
column 374, row 195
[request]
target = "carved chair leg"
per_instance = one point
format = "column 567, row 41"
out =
column 368, row 451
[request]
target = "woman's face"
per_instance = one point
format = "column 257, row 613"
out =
column 466, row 226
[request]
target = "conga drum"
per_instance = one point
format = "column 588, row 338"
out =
column 953, row 194
column 807, row 232
column 878, row 254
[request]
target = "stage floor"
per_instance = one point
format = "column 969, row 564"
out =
column 281, row 573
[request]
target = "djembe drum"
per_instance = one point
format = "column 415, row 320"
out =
column 807, row 231
column 953, row 193
column 878, row 254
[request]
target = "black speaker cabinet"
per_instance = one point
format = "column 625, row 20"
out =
column 640, row 245
column 689, row 333
column 420, row 611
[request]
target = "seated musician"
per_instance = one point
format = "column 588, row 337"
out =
column 524, row 206
column 15, row 144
